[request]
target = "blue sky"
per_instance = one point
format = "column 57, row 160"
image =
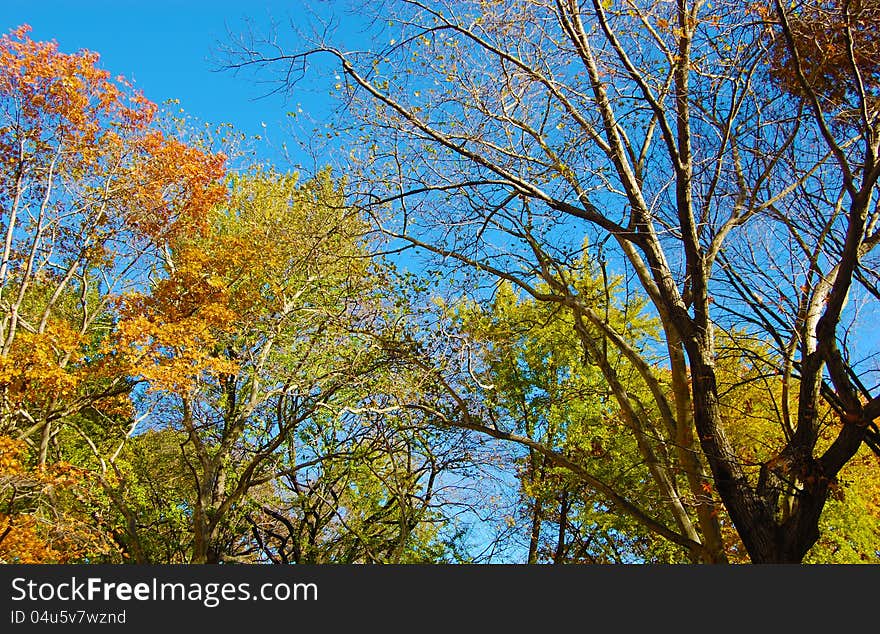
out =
column 170, row 50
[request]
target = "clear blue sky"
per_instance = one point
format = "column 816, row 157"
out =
column 170, row 49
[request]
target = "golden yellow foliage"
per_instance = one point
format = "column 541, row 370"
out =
column 32, row 528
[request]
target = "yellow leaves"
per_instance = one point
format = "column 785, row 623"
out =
column 22, row 544
column 172, row 336
column 129, row 189
column 29, row 531
column 275, row 245
column 11, row 452
column 41, row 366
column 62, row 538
column 172, row 350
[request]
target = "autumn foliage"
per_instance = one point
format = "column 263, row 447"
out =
column 39, row 522
column 836, row 50
column 93, row 191
column 209, row 362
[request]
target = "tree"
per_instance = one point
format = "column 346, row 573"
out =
column 256, row 346
column 538, row 381
column 753, row 401
column 375, row 498
column 44, row 512
column 711, row 158
column 91, row 191
column 188, row 360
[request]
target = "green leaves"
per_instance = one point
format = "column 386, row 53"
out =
column 539, row 383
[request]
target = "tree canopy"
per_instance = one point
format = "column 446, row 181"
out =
column 711, row 153
column 595, row 285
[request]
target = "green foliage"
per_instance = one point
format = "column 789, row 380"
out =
column 546, row 386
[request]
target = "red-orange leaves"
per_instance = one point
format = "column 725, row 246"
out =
column 66, row 122
column 60, row 100
column 93, row 192
column 837, row 46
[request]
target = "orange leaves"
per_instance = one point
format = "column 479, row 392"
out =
column 171, row 350
column 22, row 544
column 59, row 94
column 110, row 143
column 232, row 284
column 12, row 467
column 84, row 153
column 172, row 334
column 95, row 191
column 172, row 187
